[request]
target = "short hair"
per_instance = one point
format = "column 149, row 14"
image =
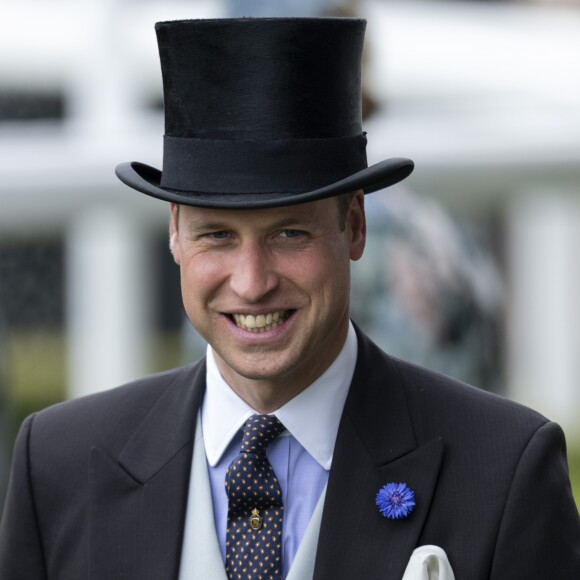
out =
column 343, row 203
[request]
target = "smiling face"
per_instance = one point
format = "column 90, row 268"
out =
column 269, row 289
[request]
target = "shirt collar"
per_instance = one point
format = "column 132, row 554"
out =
column 312, row 417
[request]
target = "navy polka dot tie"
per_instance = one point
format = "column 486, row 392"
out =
column 255, row 508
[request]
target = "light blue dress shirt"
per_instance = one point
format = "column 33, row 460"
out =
column 301, row 456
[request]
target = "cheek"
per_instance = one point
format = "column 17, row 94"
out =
column 200, row 275
column 335, row 274
column 322, row 271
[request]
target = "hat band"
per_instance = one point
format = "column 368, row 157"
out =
column 259, row 166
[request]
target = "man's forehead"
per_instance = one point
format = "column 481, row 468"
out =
column 311, row 211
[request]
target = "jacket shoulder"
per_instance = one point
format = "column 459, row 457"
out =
column 437, row 400
column 109, row 416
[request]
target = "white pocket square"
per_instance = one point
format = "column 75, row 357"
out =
column 428, row 563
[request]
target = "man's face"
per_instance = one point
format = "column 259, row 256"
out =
column 269, row 288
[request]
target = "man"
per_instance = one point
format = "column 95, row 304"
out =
column 338, row 461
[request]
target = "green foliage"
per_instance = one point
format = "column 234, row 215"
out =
column 35, row 373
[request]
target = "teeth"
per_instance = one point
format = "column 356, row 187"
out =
column 261, row 322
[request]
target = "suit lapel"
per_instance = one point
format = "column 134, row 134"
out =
column 375, row 445
column 138, row 499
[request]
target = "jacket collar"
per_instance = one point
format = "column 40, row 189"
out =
column 138, row 499
column 376, row 444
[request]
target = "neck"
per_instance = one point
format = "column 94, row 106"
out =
column 263, row 398
column 267, row 394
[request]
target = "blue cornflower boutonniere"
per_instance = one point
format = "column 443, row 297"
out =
column 395, row 500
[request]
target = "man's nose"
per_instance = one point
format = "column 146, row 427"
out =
column 253, row 275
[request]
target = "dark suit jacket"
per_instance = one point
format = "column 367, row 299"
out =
column 99, row 484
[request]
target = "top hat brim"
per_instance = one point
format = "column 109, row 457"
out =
column 147, row 179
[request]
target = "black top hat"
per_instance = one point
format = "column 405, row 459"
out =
column 261, row 112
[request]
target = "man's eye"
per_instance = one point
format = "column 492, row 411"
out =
column 221, row 235
column 291, row 233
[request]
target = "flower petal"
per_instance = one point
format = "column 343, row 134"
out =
column 395, row 500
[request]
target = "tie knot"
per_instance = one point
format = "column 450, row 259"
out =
column 259, row 432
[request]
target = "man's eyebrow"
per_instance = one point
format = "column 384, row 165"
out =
column 194, row 225
column 288, row 221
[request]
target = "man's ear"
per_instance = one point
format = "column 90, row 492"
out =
column 174, row 233
column 357, row 225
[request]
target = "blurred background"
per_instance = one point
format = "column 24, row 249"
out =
column 472, row 264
